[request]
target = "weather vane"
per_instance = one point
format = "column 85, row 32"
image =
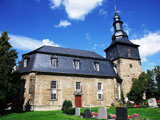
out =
column 115, row 7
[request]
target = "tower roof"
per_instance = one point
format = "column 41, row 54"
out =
column 119, row 36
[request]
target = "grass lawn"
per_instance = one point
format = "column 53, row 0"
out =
column 152, row 113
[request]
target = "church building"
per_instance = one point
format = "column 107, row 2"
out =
column 54, row 74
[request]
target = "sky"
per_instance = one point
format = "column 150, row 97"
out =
column 81, row 24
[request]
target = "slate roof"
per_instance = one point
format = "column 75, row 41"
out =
column 66, row 51
column 40, row 61
column 122, row 40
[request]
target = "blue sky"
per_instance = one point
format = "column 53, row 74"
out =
column 81, row 24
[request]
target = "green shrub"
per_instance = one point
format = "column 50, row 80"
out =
column 70, row 111
column 122, row 96
column 117, row 104
column 66, row 105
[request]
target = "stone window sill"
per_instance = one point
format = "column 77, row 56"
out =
column 53, row 100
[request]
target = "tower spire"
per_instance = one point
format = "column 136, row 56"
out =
column 118, row 29
column 115, row 7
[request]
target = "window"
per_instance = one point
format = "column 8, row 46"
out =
column 53, row 90
column 130, row 65
column 76, row 64
column 111, row 53
column 96, row 66
column 54, row 62
column 129, row 52
column 100, row 92
column 99, row 86
column 78, row 86
column 25, row 62
column 100, row 96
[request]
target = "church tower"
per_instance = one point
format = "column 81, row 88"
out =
column 124, row 55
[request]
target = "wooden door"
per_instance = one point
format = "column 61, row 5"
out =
column 78, row 101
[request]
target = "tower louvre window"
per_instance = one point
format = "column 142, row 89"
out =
column 130, row 65
column 129, row 52
column 111, row 53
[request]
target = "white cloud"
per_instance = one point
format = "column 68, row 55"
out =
column 26, row 43
column 49, row 43
column 143, row 25
column 55, row 3
column 63, row 23
column 103, row 12
column 88, row 36
column 126, row 28
column 149, row 45
column 95, row 46
column 112, row 29
column 76, row 9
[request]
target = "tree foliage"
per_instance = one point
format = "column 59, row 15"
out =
column 157, row 79
column 8, row 78
column 151, row 86
column 122, row 96
column 138, row 88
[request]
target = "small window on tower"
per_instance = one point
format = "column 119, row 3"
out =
column 130, row 65
column 129, row 52
column 111, row 53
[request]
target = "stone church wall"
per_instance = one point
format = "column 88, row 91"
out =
column 127, row 70
column 66, row 88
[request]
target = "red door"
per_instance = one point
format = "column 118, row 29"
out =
column 78, row 101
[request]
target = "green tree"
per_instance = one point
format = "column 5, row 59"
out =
column 151, row 90
column 138, row 88
column 157, row 78
column 122, row 96
column 8, row 78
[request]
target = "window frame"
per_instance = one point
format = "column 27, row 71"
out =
column 53, row 90
column 130, row 65
column 99, row 83
column 111, row 53
column 95, row 66
column 129, row 52
column 100, row 91
column 80, row 87
column 100, row 99
column 25, row 62
column 54, row 62
column 75, row 65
